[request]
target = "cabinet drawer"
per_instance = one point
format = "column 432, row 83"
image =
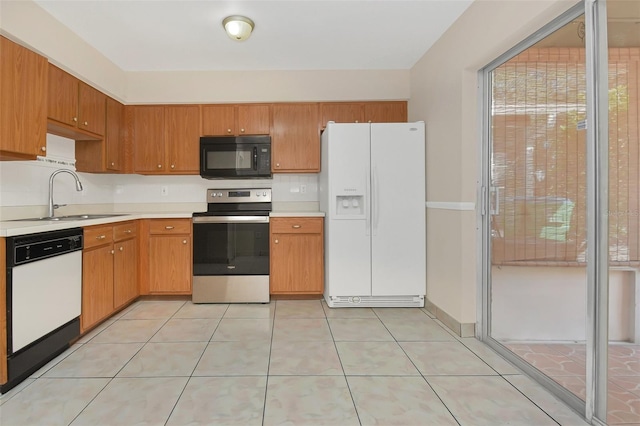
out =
column 296, row 225
column 170, row 226
column 124, row 230
column 97, row 235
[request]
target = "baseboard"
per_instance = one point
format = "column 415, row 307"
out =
column 467, row 329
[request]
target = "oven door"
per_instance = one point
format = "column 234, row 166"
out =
column 231, row 245
column 230, row 259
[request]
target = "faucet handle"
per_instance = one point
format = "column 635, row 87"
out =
column 57, row 206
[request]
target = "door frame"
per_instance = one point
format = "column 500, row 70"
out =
column 594, row 408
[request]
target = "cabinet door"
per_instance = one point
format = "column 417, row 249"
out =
column 342, row 112
column 218, row 120
column 295, row 143
column 385, row 112
column 296, row 264
column 254, row 119
column 91, row 109
column 23, row 105
column 114, row 136
column 170, row 264
column 183, row 138
column 97, row 285
column 63, row 96
column 125, row 272
column 148, row 139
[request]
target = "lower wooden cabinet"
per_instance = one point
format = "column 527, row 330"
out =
column 297, row 255
column 109, row 270
column 168, row 247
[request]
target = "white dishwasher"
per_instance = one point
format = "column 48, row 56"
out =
column 44, row 299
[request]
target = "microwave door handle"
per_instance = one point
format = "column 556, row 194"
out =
column 255, row 158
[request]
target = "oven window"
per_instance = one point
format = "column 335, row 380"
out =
column 222, row 160
column 231, row 249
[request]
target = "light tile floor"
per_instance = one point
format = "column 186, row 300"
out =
column 287, row 362
column 565, row 363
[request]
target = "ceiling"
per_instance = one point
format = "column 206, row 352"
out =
column 171, row 35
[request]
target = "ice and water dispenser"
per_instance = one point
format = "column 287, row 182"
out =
column 350, row 206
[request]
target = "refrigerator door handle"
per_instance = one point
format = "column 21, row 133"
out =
column 367, row 205
column 374, row 202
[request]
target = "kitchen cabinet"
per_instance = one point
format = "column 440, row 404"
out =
column 75, row 109
column 296, row 255
column 230, row 120
column 168, row 249
column 97, row 276
column 125, row 268
column 364, row 112
column 109, row 270
column 23, row 102
column 166, row 139
column 295, row 138
column 385, row 112
column 105, row 155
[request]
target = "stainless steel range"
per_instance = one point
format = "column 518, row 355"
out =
column 231, row 247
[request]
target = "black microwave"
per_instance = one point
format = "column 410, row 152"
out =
column 235, row 157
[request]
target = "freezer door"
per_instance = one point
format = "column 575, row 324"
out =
column 398, row 248
column 347, row 223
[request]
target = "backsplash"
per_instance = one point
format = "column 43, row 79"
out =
column 26, row 183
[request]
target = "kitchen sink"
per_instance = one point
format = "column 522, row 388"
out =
column 68, row 217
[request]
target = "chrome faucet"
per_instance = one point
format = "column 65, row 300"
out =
column 52, row 206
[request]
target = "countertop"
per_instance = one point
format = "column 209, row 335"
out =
column 11, row 228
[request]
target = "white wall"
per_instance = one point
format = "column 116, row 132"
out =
column 547, row 304
column 444, row 88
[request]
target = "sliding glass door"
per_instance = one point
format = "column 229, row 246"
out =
column 561, row 227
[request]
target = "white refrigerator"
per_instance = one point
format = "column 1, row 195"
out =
column 372, row 190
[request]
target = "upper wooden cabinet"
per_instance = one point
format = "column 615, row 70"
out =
column 364, row 112
column 385, row 112
column 166, row 139
column 23, row 106
column 295, row 138
column 234, row 120
column 75, row 109
column 108, row 155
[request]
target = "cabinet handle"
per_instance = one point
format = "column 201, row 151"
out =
column 184, row 241
column 277, row 164
column 276, row 242
column 101, row 237
column 369, row 121
column 242, row 130
column 173, row 166
column 296, row 226
column 113, row 164
column 168, row 228
column 112, row 252
column 357, row 121
column 228, row 130
column 43, row 148
column 159, row 166
column 128, row 231
column 121, row 248
column 75, row 119
column 86, row 123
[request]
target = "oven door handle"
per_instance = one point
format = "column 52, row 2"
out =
column 231, row 219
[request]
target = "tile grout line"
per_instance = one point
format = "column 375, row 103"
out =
column 266, row 384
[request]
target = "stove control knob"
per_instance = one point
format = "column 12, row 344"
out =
column 264, row 193
column 219, row 194
column 213, row 194
column 257, row 194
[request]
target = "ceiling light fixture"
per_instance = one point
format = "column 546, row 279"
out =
column 238, row 27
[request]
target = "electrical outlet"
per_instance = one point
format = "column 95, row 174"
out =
column 303, row 189
column 164, row 191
